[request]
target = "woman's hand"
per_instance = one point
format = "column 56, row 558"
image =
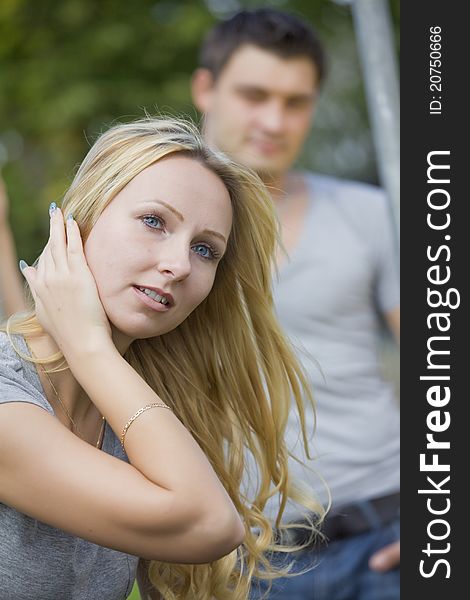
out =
column 68, row 306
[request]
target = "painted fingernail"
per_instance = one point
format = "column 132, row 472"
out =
column 23, row 265
column 52, row 207
column 70, row 217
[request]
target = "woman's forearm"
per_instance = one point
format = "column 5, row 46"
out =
column 157, row 443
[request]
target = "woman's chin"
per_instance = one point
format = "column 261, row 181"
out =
column 126, row 333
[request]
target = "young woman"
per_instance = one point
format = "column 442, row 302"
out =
column 153, row 341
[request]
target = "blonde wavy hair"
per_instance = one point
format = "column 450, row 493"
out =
column 229, row 356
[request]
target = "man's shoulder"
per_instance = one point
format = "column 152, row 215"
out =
column 362, row 205
column 343, row 190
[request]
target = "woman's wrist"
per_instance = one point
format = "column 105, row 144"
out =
column 111, row 383
column 84, row 351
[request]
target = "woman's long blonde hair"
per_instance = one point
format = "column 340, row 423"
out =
column 227, row 370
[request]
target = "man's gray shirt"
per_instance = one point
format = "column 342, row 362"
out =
column 328, row 297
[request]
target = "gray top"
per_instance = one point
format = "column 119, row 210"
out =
column 341, row 275
column 39, row 562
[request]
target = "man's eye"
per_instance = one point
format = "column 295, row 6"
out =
column 298, row 103
column 252, row 95
column 153, row 222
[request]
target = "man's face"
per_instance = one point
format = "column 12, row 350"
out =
column 260, row 108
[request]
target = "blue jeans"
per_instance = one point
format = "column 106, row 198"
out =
column 339, row 571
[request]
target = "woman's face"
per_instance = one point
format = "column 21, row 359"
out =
column 154, row 250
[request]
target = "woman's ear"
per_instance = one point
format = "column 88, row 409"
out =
column 202, row 86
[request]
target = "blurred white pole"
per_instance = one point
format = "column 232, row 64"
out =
column 378, row 57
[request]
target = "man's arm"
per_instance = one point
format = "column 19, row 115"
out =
column 388, row 557
column 392, row 319
column 11, row 288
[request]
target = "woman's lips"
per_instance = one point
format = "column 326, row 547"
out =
column 150, row 302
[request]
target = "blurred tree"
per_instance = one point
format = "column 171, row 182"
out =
column 69, row 68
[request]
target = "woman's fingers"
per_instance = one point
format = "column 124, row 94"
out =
column 45, row 262
column 74, row 241
column 68, row 306
column 57, row 238
column 30, row 274
column 64, row 244
column 52, row 260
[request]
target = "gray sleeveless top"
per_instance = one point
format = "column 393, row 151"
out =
column 39, row 562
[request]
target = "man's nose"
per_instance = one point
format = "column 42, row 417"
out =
column 174, row 259
column 272, row 117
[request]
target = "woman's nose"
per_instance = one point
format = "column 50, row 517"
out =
column 174, row 260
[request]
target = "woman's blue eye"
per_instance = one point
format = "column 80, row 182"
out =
column 203, row 251
column 153, row 221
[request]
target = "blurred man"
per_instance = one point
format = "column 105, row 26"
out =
column 257, row 85
column 11, row 289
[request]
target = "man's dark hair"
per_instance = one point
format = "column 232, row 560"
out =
column 278, row 32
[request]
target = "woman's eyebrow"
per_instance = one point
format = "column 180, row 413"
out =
column 214, row 233
column 181, row 218
column 168, row 206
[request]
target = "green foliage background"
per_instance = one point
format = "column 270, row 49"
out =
column 69, row 68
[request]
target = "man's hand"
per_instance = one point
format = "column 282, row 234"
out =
column 386, row 558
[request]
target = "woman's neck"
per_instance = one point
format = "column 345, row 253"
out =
column 61, row 387
column 61, row 383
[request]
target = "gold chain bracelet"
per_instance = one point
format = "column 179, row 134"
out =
column 137, row 414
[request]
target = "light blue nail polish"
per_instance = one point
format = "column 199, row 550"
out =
column 23, row 265
column 70, row 217
column 52, row 207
